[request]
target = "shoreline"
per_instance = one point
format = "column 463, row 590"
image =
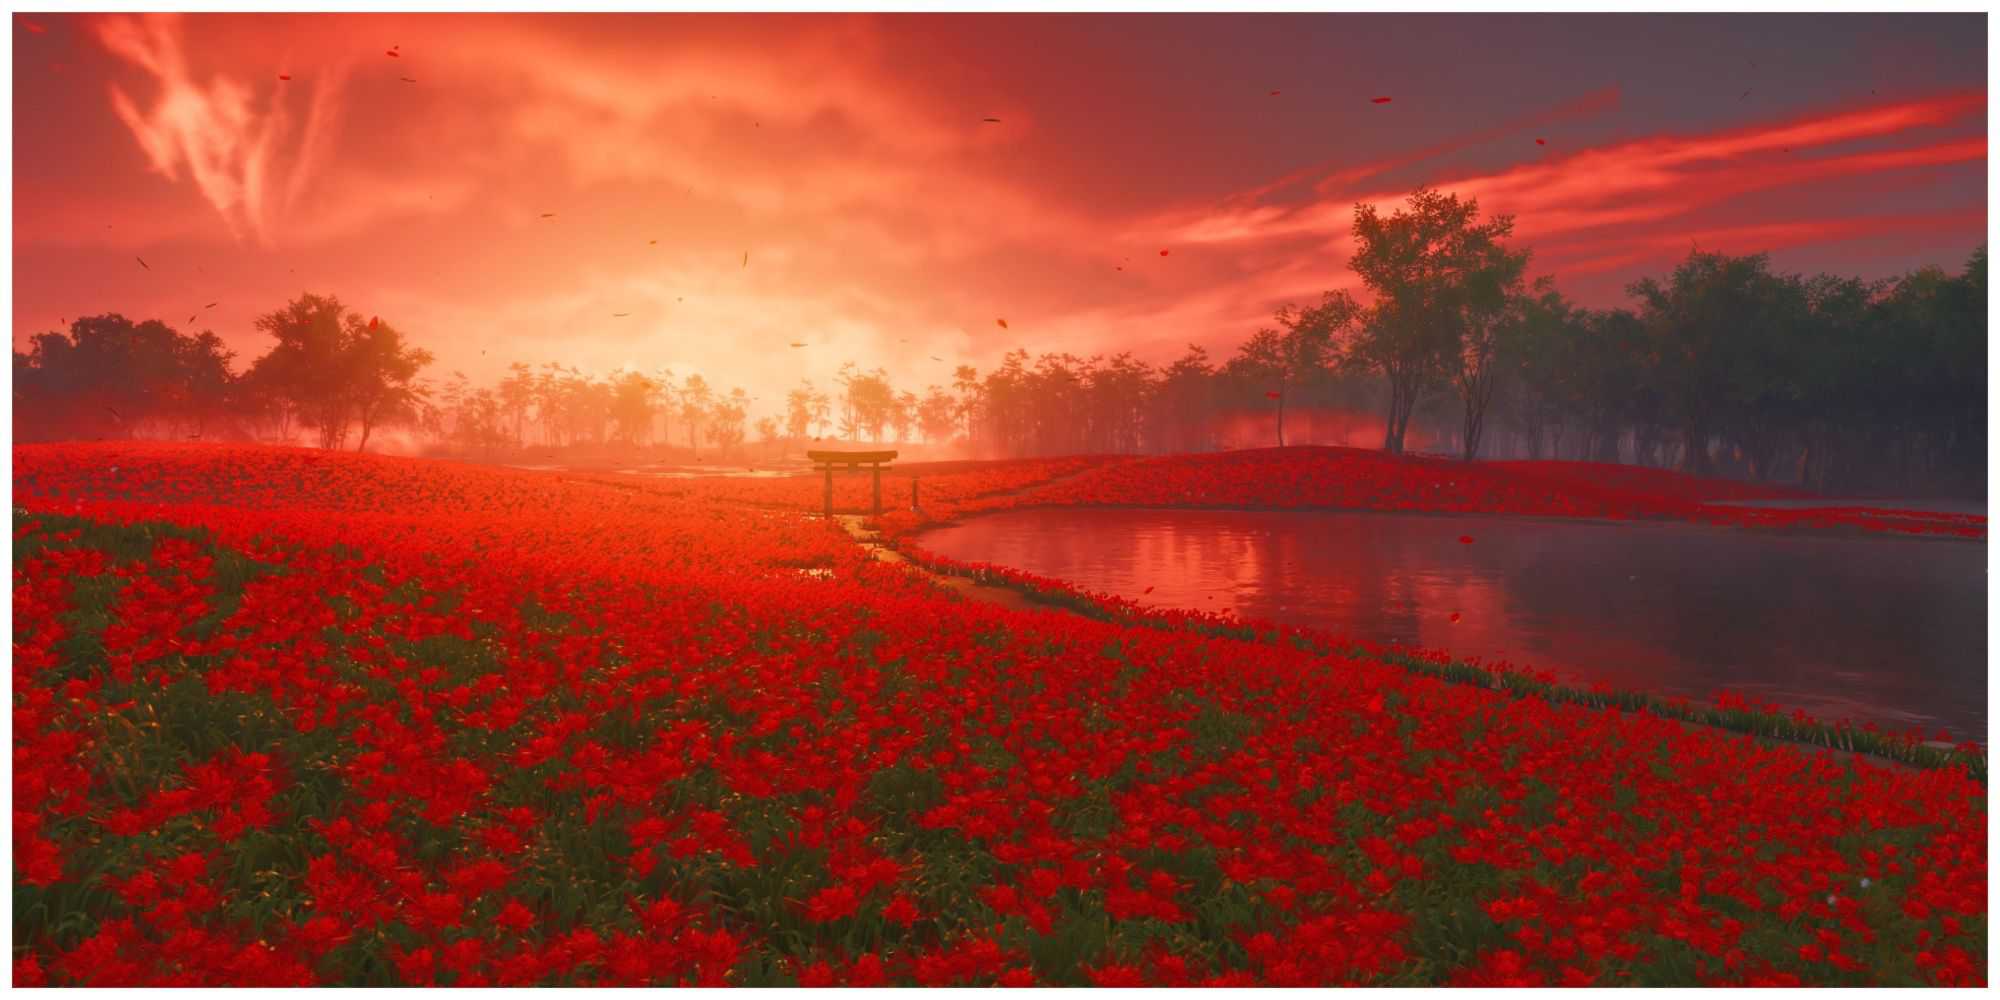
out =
column 1814, row 734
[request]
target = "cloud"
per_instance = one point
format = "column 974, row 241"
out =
column 886, row 223
column 1635, row 200
column 241, row 147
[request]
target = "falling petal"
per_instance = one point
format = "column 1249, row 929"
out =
column 32, row 27
column 1454, row 616
column 1148, row 590
column 1274, row 93
column 994, row 121
column 284, row 76
column 406, row 79
column 617, row 315
column 548, row 215
column 393, row 54
column 1379, row 100
column 142, row 263
column 211, row 305
column 1271, row 395
column 1541, row 142
column 746, row 258
column 1465, row 539
column 1163, row 253
column 1002, row 322
column 797, row 344
column 936, row 358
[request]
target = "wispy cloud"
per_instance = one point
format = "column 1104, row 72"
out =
column 1600, row 209
column 238, row 142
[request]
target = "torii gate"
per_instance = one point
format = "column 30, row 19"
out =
column 852, row 460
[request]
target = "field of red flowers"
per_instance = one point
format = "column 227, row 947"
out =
column 284, row 717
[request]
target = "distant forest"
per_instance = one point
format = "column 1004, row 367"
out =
column 1721, row 367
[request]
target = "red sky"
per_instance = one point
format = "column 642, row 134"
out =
column 886, row 223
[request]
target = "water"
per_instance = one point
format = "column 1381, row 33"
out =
column 1884, row 629
column 1875, row 504
column 710, row 472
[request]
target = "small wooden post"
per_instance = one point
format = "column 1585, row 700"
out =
column 913, row 494
column 829, row 489
column 877, row 470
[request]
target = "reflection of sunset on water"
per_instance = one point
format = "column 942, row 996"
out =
column 1881, row 629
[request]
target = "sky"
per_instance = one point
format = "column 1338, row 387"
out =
column 697, row 193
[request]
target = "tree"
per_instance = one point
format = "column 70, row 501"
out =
column 1183, row 404
column 333, row 368
column 515, row 394
column 305, row 371
column 768, row 432
column 903, row 413
column 109, row 376
column 822, row 410
column 206, row 386
column 1700, row 320
column 1429, row 267
column 1492, row 307
column 871, row 403
column 965, row 379
column 380, row 376
column 799, row 409
column 632, row 406
column 1298, row 350
column 937, row 415
column 725, row 420
column 695, row 399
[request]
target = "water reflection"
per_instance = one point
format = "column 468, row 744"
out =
column 1890, row 630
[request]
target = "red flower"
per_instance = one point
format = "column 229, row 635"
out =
column 835, row 902
column 901, row 911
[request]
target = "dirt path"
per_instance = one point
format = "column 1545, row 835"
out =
column 1013, row 600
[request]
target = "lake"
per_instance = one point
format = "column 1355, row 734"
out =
column 1884, row 629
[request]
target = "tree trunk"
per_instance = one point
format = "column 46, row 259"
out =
column 1605, row 447
column 1478, row 395
column 1391, row 443
column 1281, row 415
column 1695, row 460
column 1403, row 390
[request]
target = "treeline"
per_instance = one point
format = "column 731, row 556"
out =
column 554, row 406
column 1720, row 367
column 335, row 378
column 328, row 369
